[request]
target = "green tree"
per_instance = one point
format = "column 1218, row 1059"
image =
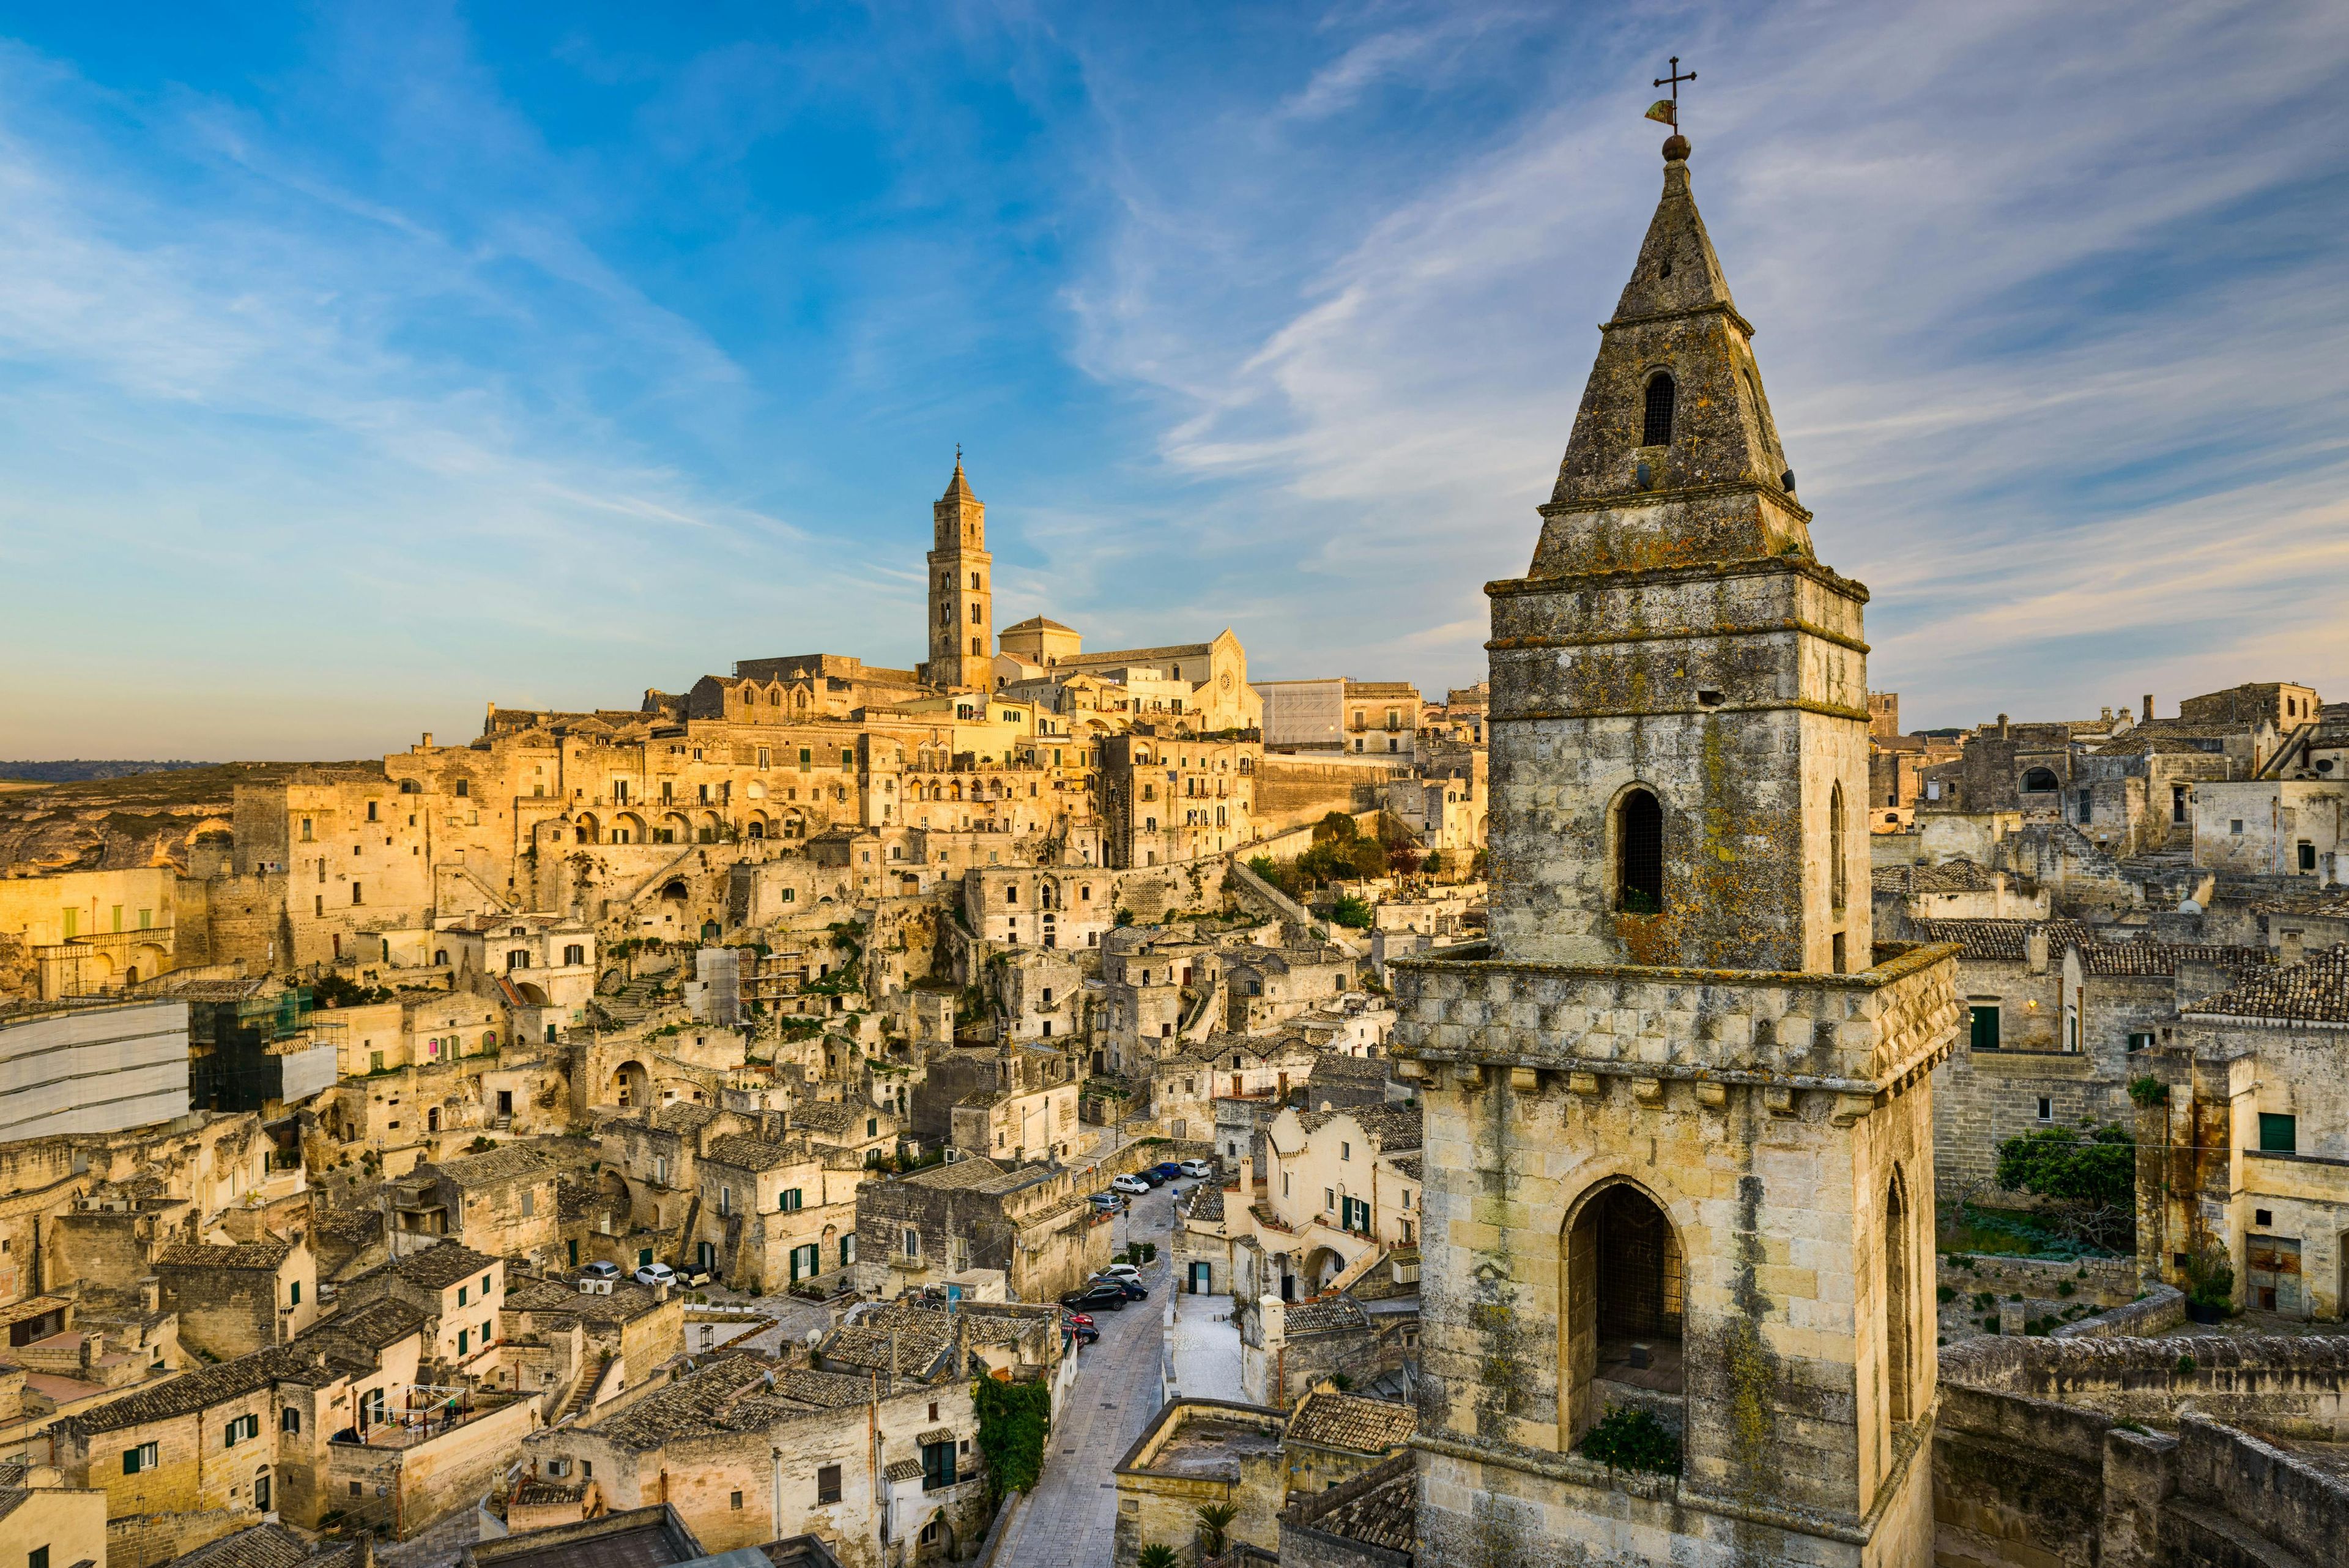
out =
column 2072, row 1165
column 1336, row 826
column 1013, row 1421
column 1155, row 1555
column 2089, row 1175
column 1353, row 912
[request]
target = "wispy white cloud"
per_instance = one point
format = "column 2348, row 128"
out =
column 1994, row 317
column 413, row 376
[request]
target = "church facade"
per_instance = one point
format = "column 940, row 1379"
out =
column 1679, row 1128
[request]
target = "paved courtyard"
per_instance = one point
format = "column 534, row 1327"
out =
column 1206, row 1348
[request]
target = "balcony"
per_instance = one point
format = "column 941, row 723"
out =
column 400, row 1429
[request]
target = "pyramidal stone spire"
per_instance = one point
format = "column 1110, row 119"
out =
column 1674, row 458
column 1679, row 704
column 958, row 488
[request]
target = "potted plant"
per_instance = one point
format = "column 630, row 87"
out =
column 2210, row 1285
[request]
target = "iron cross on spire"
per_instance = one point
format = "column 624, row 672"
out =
column 1668, row 111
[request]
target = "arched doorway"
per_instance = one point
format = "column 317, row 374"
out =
column 1322, row 1264
column 586, row 830
column 1625, row 1304
column 631, row 1086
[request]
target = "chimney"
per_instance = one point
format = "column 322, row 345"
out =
column 2148, row 709
column 2001, row 726
column 427, row 742
column 2034, row 950
column 2291, row 946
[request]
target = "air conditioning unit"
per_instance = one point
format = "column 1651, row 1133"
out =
column 594, row 1287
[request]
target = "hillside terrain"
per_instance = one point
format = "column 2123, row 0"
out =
column 76, row 768
column 139, row 819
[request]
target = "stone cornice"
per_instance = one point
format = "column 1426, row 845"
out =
column 1713, row 308
column 1911, row 957
column 1624, row 502
column 1682, row 634
column 1800, row 705
column 1651, row 576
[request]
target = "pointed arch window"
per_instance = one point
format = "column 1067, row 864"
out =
column 1837, row 881
column 1639, row 854
column 1657, row 425
column 1899, row 1360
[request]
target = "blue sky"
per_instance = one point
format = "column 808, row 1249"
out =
column 360, row 364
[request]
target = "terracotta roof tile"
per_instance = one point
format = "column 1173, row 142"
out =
column 2315, row 992
column 1352, row 1421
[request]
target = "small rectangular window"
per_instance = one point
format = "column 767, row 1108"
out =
column 827, row 1483
column 2046, row 1108
column 38, row 1557
column 1985, row 1026
column 2279, row 1133
column 461, row 1296
column 296, row 1287
column 734, row 1499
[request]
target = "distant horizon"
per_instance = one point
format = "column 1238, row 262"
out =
column 360, row 367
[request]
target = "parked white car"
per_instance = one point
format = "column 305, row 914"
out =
column 1197, row 1167
column 1129, row 1184
column 655, row 1274
column 1120, row 1271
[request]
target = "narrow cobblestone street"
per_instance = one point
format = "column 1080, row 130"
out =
column 1070, row 1520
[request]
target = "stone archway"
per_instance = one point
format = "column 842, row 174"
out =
column 1625, row 1292
column 630, row 1085
column 1322, row 1265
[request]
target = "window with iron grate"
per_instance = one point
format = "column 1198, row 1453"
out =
column 1657, row 425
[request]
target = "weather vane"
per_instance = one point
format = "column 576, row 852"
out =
column 1668, row 109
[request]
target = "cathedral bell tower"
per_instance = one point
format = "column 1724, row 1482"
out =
column 1679, row 1114
column 962, row 591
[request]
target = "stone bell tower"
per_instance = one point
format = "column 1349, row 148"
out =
column 1678, row 1113
column 962, row 591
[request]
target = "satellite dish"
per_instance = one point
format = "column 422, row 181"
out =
column 814, row 1336
column 2189, row 907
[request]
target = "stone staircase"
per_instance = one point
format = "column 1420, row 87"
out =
column 632, row 1004
column 583, row 1392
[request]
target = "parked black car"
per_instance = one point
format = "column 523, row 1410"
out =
column 1084, row 1333
column 1098, row 1293
column 1129, row 1290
